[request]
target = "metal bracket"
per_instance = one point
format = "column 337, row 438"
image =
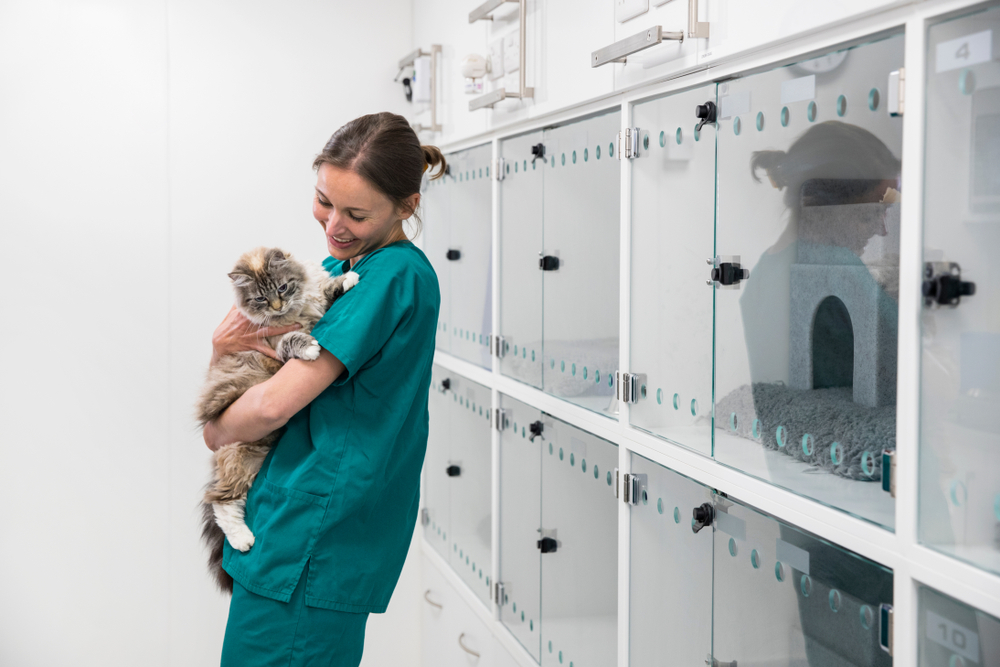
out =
column 497, row 593
column 523, row 91
column 886, row 623
column 896, row 103
column 497, row 346
column 943, row 284
column 499, row 418
column 629, row 387
column 499, row 168
column 435, row 51
column 889, row 471
column 727, row 271
column 620, row 50
column 633, row 486
column 483, row 11
column 425, row 516
column 696, row 28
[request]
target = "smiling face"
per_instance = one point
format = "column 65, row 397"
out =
column 356, row 218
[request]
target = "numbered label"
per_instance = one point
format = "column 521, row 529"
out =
column 952, row 636
column 965, row 51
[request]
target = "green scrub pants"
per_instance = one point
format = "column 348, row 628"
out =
column 262, row 632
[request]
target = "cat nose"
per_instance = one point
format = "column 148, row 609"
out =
column 276, row 304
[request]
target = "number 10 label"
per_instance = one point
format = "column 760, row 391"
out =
column 964, row 51
column 952, row 636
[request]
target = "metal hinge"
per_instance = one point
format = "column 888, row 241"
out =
column 633, row 487
column 425, row 516
column 498, row 168
column 889, row 471
column 897, row 92
column 497, row 346
column 727, row 271
column 497, row 593
column 630, row 387
column 630, row 149
column 943, row 284
column 499, row 419
column 886, row 627
column 617, row 495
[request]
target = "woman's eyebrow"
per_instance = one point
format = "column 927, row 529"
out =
column 346, row 208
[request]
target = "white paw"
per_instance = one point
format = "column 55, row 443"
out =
column 311, row 351
column 350, row 280
column 242, row 539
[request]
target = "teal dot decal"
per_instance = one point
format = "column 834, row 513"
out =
column 572, row 459
column 780, row 435
column 609, row 478
column 755, row 429
column 524, row 353
column 560, row 453
column 677, row 401
column 732, row 547
column 835, row 600
column 678, row 136
column 562, row 366
column 755, row 559
column 611, row 150
column 737, row 126
column 642, row 391
column 487, row 172
column 552, row 363
column 585, row 155
column 550, row 448
column 811, row 111
column 584, row 372
column 573, row 370
column 659, row 505
column 522, row 617
column 522, row 432
column 597, row 376
column 958, row 493
column 873, row 99
column 697, row 133
column 611, row 380
column 515, row 350
column 677, row 515
column 595, row 471
column 807, row 444
column 645, row 141
column 525, row 166
column 806, row 585
column 760, row 121
column 868, row 463
column 784, row 116
column 516, row 165
column 531, row 626
column 574, row 157
column 841, row 105
column 507, row 169
column 694, row 407
column 550, row 647
column 867, row 617
column 779, row 571
column 732, row 421
column 515, row 608
column 645, row 497
column 563, row 161
column 835, row 453
column 583, row 465
column 560, row 657
column 967, row 82
column 532, row 355
column 659, row 396
column 663, row 138
column 597, row 152
column 533, row 165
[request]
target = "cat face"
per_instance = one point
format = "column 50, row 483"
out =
column 268, row 284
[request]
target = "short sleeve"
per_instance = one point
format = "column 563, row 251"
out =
column 359, row 323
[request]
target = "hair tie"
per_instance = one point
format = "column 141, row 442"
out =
column 426, row 165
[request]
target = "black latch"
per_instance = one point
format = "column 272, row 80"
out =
column 538, row 151
column 548, row 263
column 703, row 516
column 536, row 430
column 547, row 545
column 407, row 89
column 706, row 112
column 729, row 273
column 945, row 287
column 453, row 471
column 454, row 254
column 446, row 384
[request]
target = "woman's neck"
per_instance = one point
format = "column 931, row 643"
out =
column 397, row 235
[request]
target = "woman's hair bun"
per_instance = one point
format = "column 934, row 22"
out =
column 434, row 158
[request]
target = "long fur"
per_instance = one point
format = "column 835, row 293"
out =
column 272, row 289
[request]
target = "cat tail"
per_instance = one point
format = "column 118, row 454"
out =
column 215, row 539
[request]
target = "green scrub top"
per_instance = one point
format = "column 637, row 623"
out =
column 342, row 485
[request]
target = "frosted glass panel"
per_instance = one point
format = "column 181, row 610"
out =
column 437, row 485
column 434, row 208
column 808, row 182
column 784, row 597
column 470, row 236
column 471, row 480
column 960, row 369
column 673, row 233
column 520, row 519
column 953, row 634
column 581, row 211
column 671, row 571
column 580, row 577
column 520, row 240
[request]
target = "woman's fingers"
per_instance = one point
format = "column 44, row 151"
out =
column 264, row 349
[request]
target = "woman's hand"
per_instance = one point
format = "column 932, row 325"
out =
column 238, row 334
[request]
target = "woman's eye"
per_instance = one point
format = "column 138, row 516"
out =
column 260, row 299
column 324, row 204
column 355, row 218
column 283, row 288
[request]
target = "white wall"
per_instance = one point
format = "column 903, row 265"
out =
column 143, row 146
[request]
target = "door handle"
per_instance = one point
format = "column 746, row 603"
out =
column 431, row 602
column 466, row 648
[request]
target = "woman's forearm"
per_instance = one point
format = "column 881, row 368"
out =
column 250, row 418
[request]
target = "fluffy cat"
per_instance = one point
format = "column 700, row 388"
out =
column 272, row 289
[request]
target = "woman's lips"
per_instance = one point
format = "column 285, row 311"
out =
column 339, row 244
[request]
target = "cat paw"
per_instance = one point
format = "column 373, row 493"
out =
column 310, row 352
column 243, row 539
column 350, row 280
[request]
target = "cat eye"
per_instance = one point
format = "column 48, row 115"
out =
column 283, row 288
column 260, row 299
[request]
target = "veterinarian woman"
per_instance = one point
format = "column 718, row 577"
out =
column 335, row 503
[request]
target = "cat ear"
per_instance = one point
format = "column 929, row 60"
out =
column 240, row 279
column 275, row 257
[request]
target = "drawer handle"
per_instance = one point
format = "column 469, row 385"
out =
column 430, row 601
column 466, row 648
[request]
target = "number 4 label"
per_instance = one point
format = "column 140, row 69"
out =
column 964, row 51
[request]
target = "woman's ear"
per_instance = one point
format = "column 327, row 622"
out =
column 409, row 207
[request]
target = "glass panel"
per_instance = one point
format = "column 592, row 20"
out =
column 960, row 370
column 434, row 205
column 436, row 483
column 953, row 634
column 805, row 373
column 670, row 563
column 580, row 578
column 470, row 217
column 520, row 277
column 471, row 446
column 784, row 597
column 582, row 195
column 673, row 232
column 520, row 519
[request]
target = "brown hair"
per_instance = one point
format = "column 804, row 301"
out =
column 383, row 149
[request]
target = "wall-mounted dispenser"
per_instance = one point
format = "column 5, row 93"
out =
column 474, row 69
column 421, row 85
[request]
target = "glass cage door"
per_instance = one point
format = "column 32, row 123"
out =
column 469, row 475
column 435, row 204
column 673, row 233
column 960, row 366
column 582, row 197
column 953, row 634
column 437, row 486
column 807, row 269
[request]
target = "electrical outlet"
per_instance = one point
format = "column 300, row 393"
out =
column 628, row 9
column 511, row 52
column 496, row 59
